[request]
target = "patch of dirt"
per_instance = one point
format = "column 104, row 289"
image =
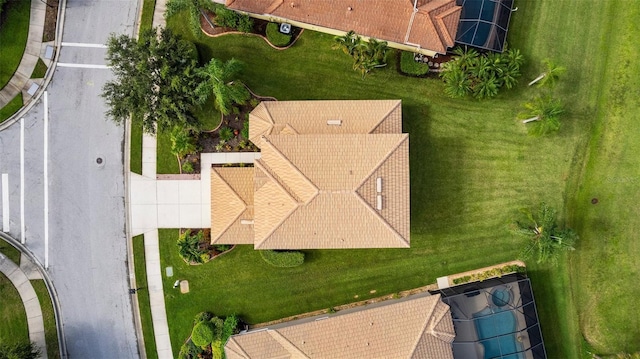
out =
column 50, row 19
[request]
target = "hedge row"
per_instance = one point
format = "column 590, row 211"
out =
column 409, row 66
column 283, row 259
column 275, row 36
column 495, row 272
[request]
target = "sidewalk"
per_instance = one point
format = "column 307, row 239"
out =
column 29, row 298
column 35, row 48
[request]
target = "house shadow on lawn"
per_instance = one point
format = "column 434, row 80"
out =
column 436, row 177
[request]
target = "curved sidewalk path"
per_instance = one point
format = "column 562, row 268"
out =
column 35, row 49
column 30, row 301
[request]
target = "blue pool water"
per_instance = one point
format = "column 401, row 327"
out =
column 500, row 327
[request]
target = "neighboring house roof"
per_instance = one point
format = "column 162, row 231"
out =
column 318, row 185
column 310, row 117
column 432, row 24
column 419, row 327
column 232, row 205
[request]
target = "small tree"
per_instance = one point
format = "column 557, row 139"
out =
column 547, row 240
column 220, row 81
column 226, row 134
column 542, row 114
column 550, row 76
column 456, row 82
column 189, row 246
column 182, row 143
column 348, row 42
column 203, row 334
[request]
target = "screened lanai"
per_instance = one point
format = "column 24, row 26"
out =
column 484, row 23
column 496, row 318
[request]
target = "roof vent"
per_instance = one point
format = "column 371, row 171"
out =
column 379, row 184
column 379, row 202
column 246, row 221
column 334, row 122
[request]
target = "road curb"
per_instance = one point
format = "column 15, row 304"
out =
column 62, row 343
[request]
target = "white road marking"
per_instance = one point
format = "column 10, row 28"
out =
column 83, row 66
column 22, row 235
column 5, row 202
column 82, row 44
column 46, row 180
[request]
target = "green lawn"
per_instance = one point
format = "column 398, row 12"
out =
column 50, row 333
column 12, row 107
column 40, row 70
column 143, row 297
column 13, row 318
column 9, row 251
column 14, row 27
column 146, row 19
column 472, row 168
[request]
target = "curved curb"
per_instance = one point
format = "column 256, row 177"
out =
column 50, row 288
column 62, row 5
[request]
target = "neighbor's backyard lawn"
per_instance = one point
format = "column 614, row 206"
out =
column 14, row 28
column 472, row 168
column 13, row 318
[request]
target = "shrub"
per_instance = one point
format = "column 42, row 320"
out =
column 222, row 247
column 189, row 351
column 187, row 167
column 202, row 317
column 205, row 257
column 231, row 19
column 283, row 259
column 409, row 66
column 226, row 134
column 495, row 272
column 189, row 246
column 275, row 36
column 245, row 23
column 245, row 130
column 229, row 327
column 203, row 334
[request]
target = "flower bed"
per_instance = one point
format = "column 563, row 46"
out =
column 482, row 274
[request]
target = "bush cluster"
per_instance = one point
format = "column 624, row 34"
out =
column 234, row 20
column 409, row 66
column 495, row 272
column 209, row 334
column 283, row 259
column 275, row 36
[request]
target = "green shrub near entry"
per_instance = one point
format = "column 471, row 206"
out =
column 409, row 66
column 283, row 259
column 189, row 350
column 203, row 334
column 275, row 36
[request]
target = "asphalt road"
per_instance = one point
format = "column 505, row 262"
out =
column 86, row 239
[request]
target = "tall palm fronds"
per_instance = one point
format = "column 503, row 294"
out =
column 547, row 241
column 219, row 79
column 189, row 246
column 542, row 114
column 549, row 78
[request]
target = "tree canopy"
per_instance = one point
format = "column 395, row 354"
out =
column 542, row 115
column 155, row 78
column 219, row 80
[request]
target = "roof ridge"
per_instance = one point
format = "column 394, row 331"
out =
column 267, row 172
column 383, row 160
column 286, row 343
column 399, row 103
column 424, row 327
column 382, row 219
column 266, row 140
column 442, row 27
column 237, row 197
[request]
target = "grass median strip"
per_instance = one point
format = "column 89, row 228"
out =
column 14, row 29
column 12, row 107
column 143, row 297
column 50, row 332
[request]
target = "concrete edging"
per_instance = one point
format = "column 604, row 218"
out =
column 50, row 288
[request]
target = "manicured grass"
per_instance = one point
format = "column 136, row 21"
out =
column 143, row 297
column 13, row 318
column 146, row 19
column 606, row 272
column 14, row 27
column 472, row 168
column 40, row 70
column 50, row 333
column 166, row 161
column 135, row 163
column 12, row 107
column 9, row 251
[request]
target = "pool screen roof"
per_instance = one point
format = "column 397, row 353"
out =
column 484, row 23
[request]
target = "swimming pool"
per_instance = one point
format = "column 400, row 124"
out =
column 496, row 331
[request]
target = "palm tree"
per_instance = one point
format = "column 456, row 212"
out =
column 482, row 68
column 510, row 74
column 550, row 76
column 547, row 241
column 465, row 57
column 189, row 246
column 486, row 87
column 348, row 43
column 182, row 143
column 543, row 113
column 377, row 51
column 219, row 81
column 194, row 7
column 456, row 81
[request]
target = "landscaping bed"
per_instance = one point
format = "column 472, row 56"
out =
column 50, row 20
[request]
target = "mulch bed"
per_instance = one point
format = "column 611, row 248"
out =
column 206, row 245
column 50, row 19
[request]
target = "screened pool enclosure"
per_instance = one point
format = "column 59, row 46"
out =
column 484, row 23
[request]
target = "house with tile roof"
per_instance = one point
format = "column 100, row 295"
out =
column 425, row 26
column 420, row 326
column 332, row 174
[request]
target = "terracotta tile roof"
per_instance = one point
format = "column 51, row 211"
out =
column 419, row 327
column 390, row 20
column 319, row 178
column 310, row 117
column 231, row 203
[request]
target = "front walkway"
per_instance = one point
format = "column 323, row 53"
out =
column 35, row 49
column 30, row 301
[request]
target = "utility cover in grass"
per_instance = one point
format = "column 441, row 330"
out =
column 184, row 286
